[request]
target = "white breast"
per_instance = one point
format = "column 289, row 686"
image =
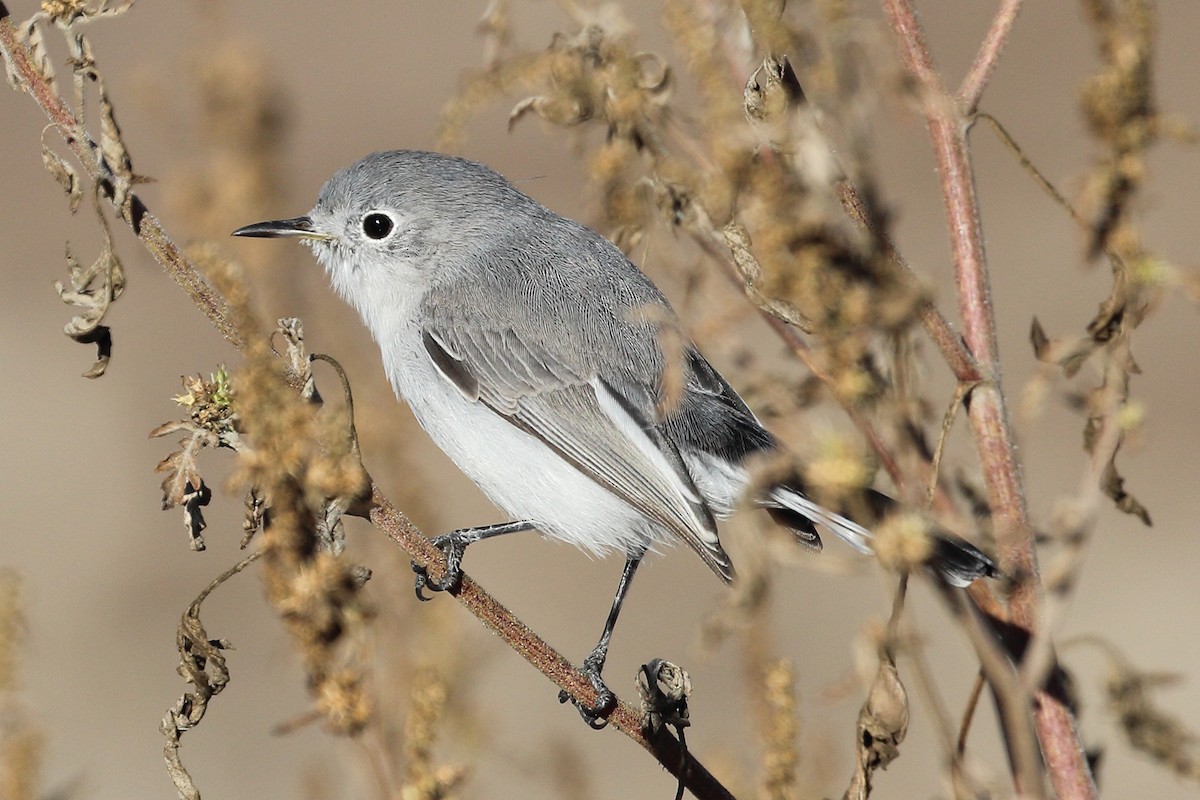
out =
column 519, row 473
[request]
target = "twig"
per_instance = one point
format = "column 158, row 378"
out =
column 1063, row 753
column 989, row 55
column 664, row 747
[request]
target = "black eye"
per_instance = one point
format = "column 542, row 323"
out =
column 377, row 226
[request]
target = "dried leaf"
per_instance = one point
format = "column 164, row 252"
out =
column 1039, row 339
column 183, row 485
column 737, row 239
column 882, row 725
column 93, row 300
column 36, row 42
column 66, row 13
column 194, row 498
column 1069, row 354
column 1114, row 487
column 115, row 157
column 83, row 69
column 292, row 331
column 202, row 665
column 768, row 97
column 1150, row 728
column 64, row 173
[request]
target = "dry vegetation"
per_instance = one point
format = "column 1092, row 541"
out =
column 752, row 141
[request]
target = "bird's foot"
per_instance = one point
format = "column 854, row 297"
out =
column 452, row 545
column 596, row 716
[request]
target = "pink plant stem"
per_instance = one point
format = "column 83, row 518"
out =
column 988, row 56
column 1063, row 754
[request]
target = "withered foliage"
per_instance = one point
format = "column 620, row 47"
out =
column 1151, row 729
column 211, row 423
column 882, row 726
column 94, row 288
column 202, row 666
column 1123, row 118
column 305, row 467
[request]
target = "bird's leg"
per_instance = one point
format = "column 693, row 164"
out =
column 593, row 665
column 453, row 545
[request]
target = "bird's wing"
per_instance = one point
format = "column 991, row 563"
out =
column 605, row 431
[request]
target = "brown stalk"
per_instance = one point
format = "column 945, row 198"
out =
column 1063, row 753
column 664, row 747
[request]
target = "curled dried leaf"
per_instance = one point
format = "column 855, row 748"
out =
column 255, row 516
column 882, row 725
column 66, row 13
column 114, row 157
column 210, row 405
column 664, row 689
column 202, row 666
column 64, row 173
column 93, row 289
column 183, row 485
column 737, row 238
column 34, row 39
column 772, row 90
column 1150, row 728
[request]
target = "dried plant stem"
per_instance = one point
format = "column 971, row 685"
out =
column 1064, row 756
column 664, row 747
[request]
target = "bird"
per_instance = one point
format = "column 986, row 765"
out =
column 528, row 347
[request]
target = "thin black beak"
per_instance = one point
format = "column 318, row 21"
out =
column 300, row 226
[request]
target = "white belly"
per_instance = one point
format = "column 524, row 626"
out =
column 520, row 474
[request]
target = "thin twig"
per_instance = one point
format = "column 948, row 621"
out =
column 989, row 55
column 1063, row 753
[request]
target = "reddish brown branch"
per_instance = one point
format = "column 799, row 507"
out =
column 1064, row 756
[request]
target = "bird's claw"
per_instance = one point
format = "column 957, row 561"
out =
column 452, row 548
column 596, row 716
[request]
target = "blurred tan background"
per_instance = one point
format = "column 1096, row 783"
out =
column 106, row 574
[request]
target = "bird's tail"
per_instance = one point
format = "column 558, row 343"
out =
column 957, row 561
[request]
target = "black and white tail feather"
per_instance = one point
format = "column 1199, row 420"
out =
column 955, row 559
column 717, row 433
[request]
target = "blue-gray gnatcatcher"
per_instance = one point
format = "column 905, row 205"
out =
column 528, row 347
